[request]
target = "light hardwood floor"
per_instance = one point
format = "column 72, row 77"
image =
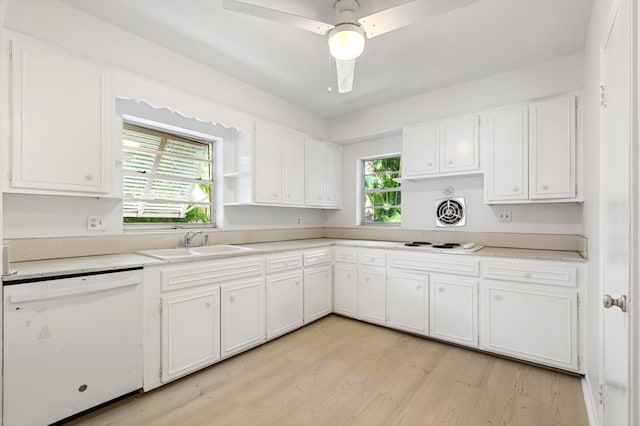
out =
column 339, row 371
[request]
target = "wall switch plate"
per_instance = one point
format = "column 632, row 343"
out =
column 96, row 223
column 504, row 216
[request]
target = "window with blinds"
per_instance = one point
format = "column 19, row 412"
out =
column 166, row 178
column 381, row 192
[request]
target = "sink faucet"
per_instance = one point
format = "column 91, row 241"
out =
column 189, row 236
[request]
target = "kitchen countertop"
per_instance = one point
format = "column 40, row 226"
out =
column 78, row 265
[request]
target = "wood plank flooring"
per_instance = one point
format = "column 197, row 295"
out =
column 339, row 371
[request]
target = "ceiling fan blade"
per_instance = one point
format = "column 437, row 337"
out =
column 302, row 22
column 405, row 14
column 345, row 70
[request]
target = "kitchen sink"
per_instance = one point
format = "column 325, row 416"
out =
column 195, row 252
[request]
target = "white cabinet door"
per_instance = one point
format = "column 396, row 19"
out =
column 60, row 122
column 314, row 181
column 242, row 315
column 317, row 293
column 372, row 295
column 453, row 310
column 552, row 148
column 267, row 176
column 530, row 322
column 292, row 153
column 407, row 301
column 190, row 332
column 420, row 151
column 333, row 172
column 507, row 174
column 284, row 303
column 345, row 288
column 459, row 145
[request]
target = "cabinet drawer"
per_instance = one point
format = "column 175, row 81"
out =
column 453, row 264
column 181, row 276
column 317, row 257
column 283, row 262
column 345, row 254
column 372, row 257
column 531, row 272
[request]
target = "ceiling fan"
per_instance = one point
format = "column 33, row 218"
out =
column 347, row 34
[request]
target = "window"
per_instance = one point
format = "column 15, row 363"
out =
column 166, row 178
column 381, row 190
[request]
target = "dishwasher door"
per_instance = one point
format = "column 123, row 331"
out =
column 70, row 344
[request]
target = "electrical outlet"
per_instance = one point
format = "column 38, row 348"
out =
column 504, row 216
column 96, row 223
column 299, row 221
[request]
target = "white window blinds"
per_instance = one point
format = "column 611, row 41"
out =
column 165, row 176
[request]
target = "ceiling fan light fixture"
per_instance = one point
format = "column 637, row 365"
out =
column 346, row 42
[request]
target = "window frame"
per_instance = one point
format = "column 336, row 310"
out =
column 363, row 190
column 181, row 134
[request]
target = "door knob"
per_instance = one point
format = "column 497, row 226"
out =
column 621, row 302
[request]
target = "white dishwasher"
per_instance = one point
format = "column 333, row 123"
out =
column 70, row 344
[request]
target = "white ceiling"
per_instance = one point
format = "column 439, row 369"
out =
column 485, row 38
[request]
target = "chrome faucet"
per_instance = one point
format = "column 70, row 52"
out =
column 189, row 236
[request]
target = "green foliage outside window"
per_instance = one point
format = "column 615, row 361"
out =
column 382, row 195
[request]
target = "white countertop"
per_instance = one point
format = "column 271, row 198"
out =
column 88, row 264
column 77, row 265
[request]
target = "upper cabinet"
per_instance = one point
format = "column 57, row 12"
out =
column 278, row 165
column 532, row 152
column 281, row 167
column 60, row 123
column 440, row 149
column 323, row 165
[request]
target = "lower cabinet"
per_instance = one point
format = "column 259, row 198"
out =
column 190, row 332
column 345, row 289
column 536, row 323
column 407, row 301
column 284, row 303
column 242, row 315
column 317, row 293
column 453, row 309
column 372, row 294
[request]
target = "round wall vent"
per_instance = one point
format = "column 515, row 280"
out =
column 450, row 212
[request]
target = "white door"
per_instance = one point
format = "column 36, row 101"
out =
column 267, row 164
column 508, row 139
column 190, row 332
column 292, row 150
column 314, row 172
column 284, row 303
column 616, row 240
column 453, row 309
column 318, row 299
column 420, row 151
column 407, row 304
column 345, row 282
column 459, row 145
column 333, row 171
column 242, row 315
column 372, row 295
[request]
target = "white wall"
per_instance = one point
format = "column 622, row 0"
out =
column 68, row 29
column 418, row 198
column 540, row 80
column 591, row 210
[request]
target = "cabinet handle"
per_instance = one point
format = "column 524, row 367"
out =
column 288, row 195
column 297, row 283
column 328, row 198
column 450, row 162
column 527, row 275
column 419, row 287
column 208, row 304
column 515, row 189
column 429, row 164
column 90, row 177
column 232, row 297
column 320, row 198
column 440, row 289
column 544, row 187
column 366, row 279
column 497, row 298
column 348, row 276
